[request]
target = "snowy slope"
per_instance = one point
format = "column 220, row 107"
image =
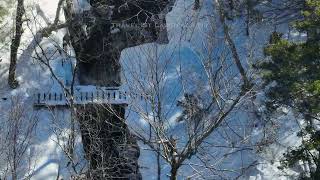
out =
column 44, row 155
column 187, row 31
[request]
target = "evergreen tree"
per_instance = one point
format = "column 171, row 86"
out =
column 293, row 76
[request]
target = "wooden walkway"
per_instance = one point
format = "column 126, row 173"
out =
column 45, row 99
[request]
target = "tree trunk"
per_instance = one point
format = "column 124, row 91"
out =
column 14, row 151
column 196, row 4
column 13, row 83
column 173, row 172
column 159, row 164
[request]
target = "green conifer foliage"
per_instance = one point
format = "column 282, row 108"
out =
column 293, row 76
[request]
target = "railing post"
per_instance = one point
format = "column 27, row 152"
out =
column 55, row 96
column 39, row 97
column 87, row 96
column 80, row 96
column 49, row 96
column 60, row 96
column 92, row 96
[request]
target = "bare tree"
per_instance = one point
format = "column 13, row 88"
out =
column 208, row 97
column 13, row 83
column 18, row 131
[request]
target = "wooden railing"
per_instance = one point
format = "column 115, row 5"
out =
column 81, row 97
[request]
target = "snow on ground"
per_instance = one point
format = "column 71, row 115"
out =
column 187, row 31
column 45, row 155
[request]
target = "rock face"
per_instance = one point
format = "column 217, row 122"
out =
column 118, row 25
column 111, row 150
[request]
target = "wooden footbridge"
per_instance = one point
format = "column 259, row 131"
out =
column 107, row 96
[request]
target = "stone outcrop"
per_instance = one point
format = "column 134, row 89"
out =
column 112, row 152
column 98, row 40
